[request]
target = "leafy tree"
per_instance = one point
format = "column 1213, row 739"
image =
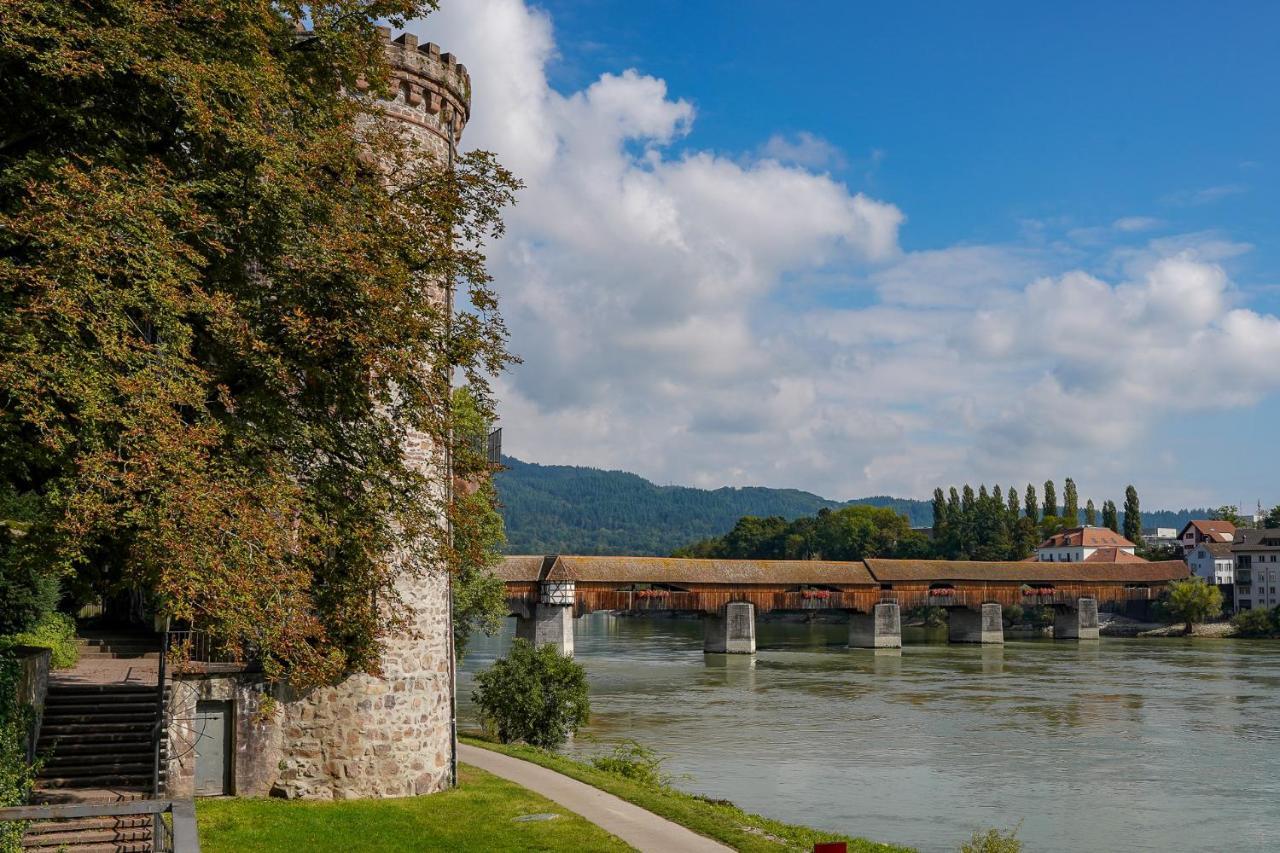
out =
column 535, row 695
column 220, row 274
column 1132, row 515
column 1013, row 505
column 1050, row 499
column 1272, row 520
column 1070, row 503
column 1193, row 600
column 1090, row 513
column 1230, row 513
column 1051, row 524
column 1031, row 508
column 1110, row 518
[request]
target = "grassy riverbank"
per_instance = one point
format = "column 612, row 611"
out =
column 720, row 820
column 481, row 814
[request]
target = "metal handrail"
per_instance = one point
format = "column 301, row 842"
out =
column 183, row 839
column 158, row 728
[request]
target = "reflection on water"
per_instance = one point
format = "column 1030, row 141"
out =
column 1168, row 744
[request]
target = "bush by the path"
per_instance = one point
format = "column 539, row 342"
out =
column 535, row 695
column 1257, row 623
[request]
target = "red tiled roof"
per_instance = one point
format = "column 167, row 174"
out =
column 1210, row 528
column 1086, row 537
column 1113, row 555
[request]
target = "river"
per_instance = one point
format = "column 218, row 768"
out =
column 1115, row 744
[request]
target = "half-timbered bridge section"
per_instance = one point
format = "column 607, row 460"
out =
column 545, row 593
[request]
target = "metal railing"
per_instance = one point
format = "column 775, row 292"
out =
column 489, row 446
column 178, row 836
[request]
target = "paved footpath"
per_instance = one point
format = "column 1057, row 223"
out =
column 642, row 829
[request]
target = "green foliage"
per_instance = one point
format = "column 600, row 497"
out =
column 1050, row 499
column 1132, row 515
column 535, row 695
column 1013, row 614
column 1259, row 622
column 1090, row 514
column 930, row 617
column 1272, row 519
column 1110, row 518
column 993, row 841
column 1228, row 512
column 16, row 776
column 57, row 632
column 1193, row 600
column 1070, row 503
column 220, row 315
column 1031, row 506
column 635, row 761
column 849, row 533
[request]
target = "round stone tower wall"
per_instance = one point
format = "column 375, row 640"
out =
column 392, row 735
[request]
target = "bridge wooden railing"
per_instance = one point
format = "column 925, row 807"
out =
column 711, row 598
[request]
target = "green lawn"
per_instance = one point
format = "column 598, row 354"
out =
column 478, row 815
column 719, row 820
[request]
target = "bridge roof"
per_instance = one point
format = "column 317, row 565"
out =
column 680, row 570
column 521, row 568
column 1023, row 570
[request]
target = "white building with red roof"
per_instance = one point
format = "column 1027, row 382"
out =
column 1205, row 530
column 1087, row 545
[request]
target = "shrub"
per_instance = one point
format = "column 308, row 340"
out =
column 632, row 760
column 16, row 775
column 1013, row 614
column 56, row 631
column 1257, row 623
column 933, row 617
column 993, row 841
column 535, row 695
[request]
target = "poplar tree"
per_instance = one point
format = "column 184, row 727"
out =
column 939, row 513
column 1013, row 503
column 1090, row 513
column 1050, row 499
column 1031, row 507
column 1110, row 518
column 220, row 282
column 1132, row 516
column 1070, row 504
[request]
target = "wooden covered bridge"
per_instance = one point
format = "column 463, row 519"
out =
column 545, row 593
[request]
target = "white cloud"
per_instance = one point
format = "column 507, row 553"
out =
column 804, row 149
column 674, row 306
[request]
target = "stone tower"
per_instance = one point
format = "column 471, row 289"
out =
column 386, row 736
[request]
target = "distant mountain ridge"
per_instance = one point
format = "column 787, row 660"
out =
column 566, row 509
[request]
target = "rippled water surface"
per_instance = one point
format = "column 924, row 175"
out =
column 1167, row 744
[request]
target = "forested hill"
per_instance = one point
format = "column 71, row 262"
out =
column 562, row 509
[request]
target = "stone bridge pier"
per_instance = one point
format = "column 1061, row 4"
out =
column 732, row 631
column 1076, row 619
column 983, row 624
column 879, row 629
column 551, row 622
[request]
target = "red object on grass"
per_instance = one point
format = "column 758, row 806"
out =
column 831, row 847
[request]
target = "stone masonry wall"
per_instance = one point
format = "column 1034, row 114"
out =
column 388, row 736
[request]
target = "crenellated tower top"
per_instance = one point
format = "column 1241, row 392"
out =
column 430, row 90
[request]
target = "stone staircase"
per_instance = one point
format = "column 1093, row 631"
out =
column 97, row 744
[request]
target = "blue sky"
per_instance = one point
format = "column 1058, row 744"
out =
column 818, row 245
